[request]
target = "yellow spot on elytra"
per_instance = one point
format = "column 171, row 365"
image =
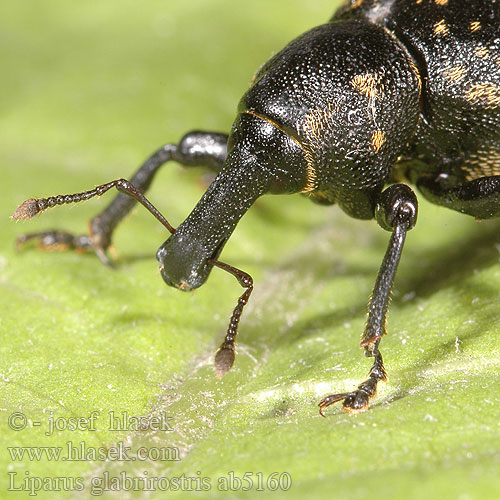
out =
column 367, row 84
column 482, row 52
column 475, row 26
column 418, row 1
column 378, row 140
column 484, row 93
column 441, row 2
column 440, row 28
column 483, row 163
column 454, row 73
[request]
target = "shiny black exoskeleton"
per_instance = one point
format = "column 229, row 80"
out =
column 388, row 91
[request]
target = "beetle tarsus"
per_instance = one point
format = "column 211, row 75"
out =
column 330, row 400
column 359, row 400
column 55, row 240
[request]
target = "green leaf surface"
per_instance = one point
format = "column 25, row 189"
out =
column 89, row 89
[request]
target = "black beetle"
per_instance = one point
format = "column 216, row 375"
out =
column 388, row 91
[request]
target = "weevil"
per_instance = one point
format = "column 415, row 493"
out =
column 386, row 94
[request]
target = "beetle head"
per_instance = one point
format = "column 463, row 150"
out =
column 262, row 158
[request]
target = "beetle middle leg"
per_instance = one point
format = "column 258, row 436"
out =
column 396, row 211
column 205, row 149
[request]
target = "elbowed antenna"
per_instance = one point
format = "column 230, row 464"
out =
column 34, row 206
column 233, row 191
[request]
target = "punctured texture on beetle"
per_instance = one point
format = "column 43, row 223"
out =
column 456, row 45
column 388, row 91
column 336, row 90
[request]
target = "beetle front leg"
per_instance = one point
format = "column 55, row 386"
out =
column 205, row 149
column 396, row 211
